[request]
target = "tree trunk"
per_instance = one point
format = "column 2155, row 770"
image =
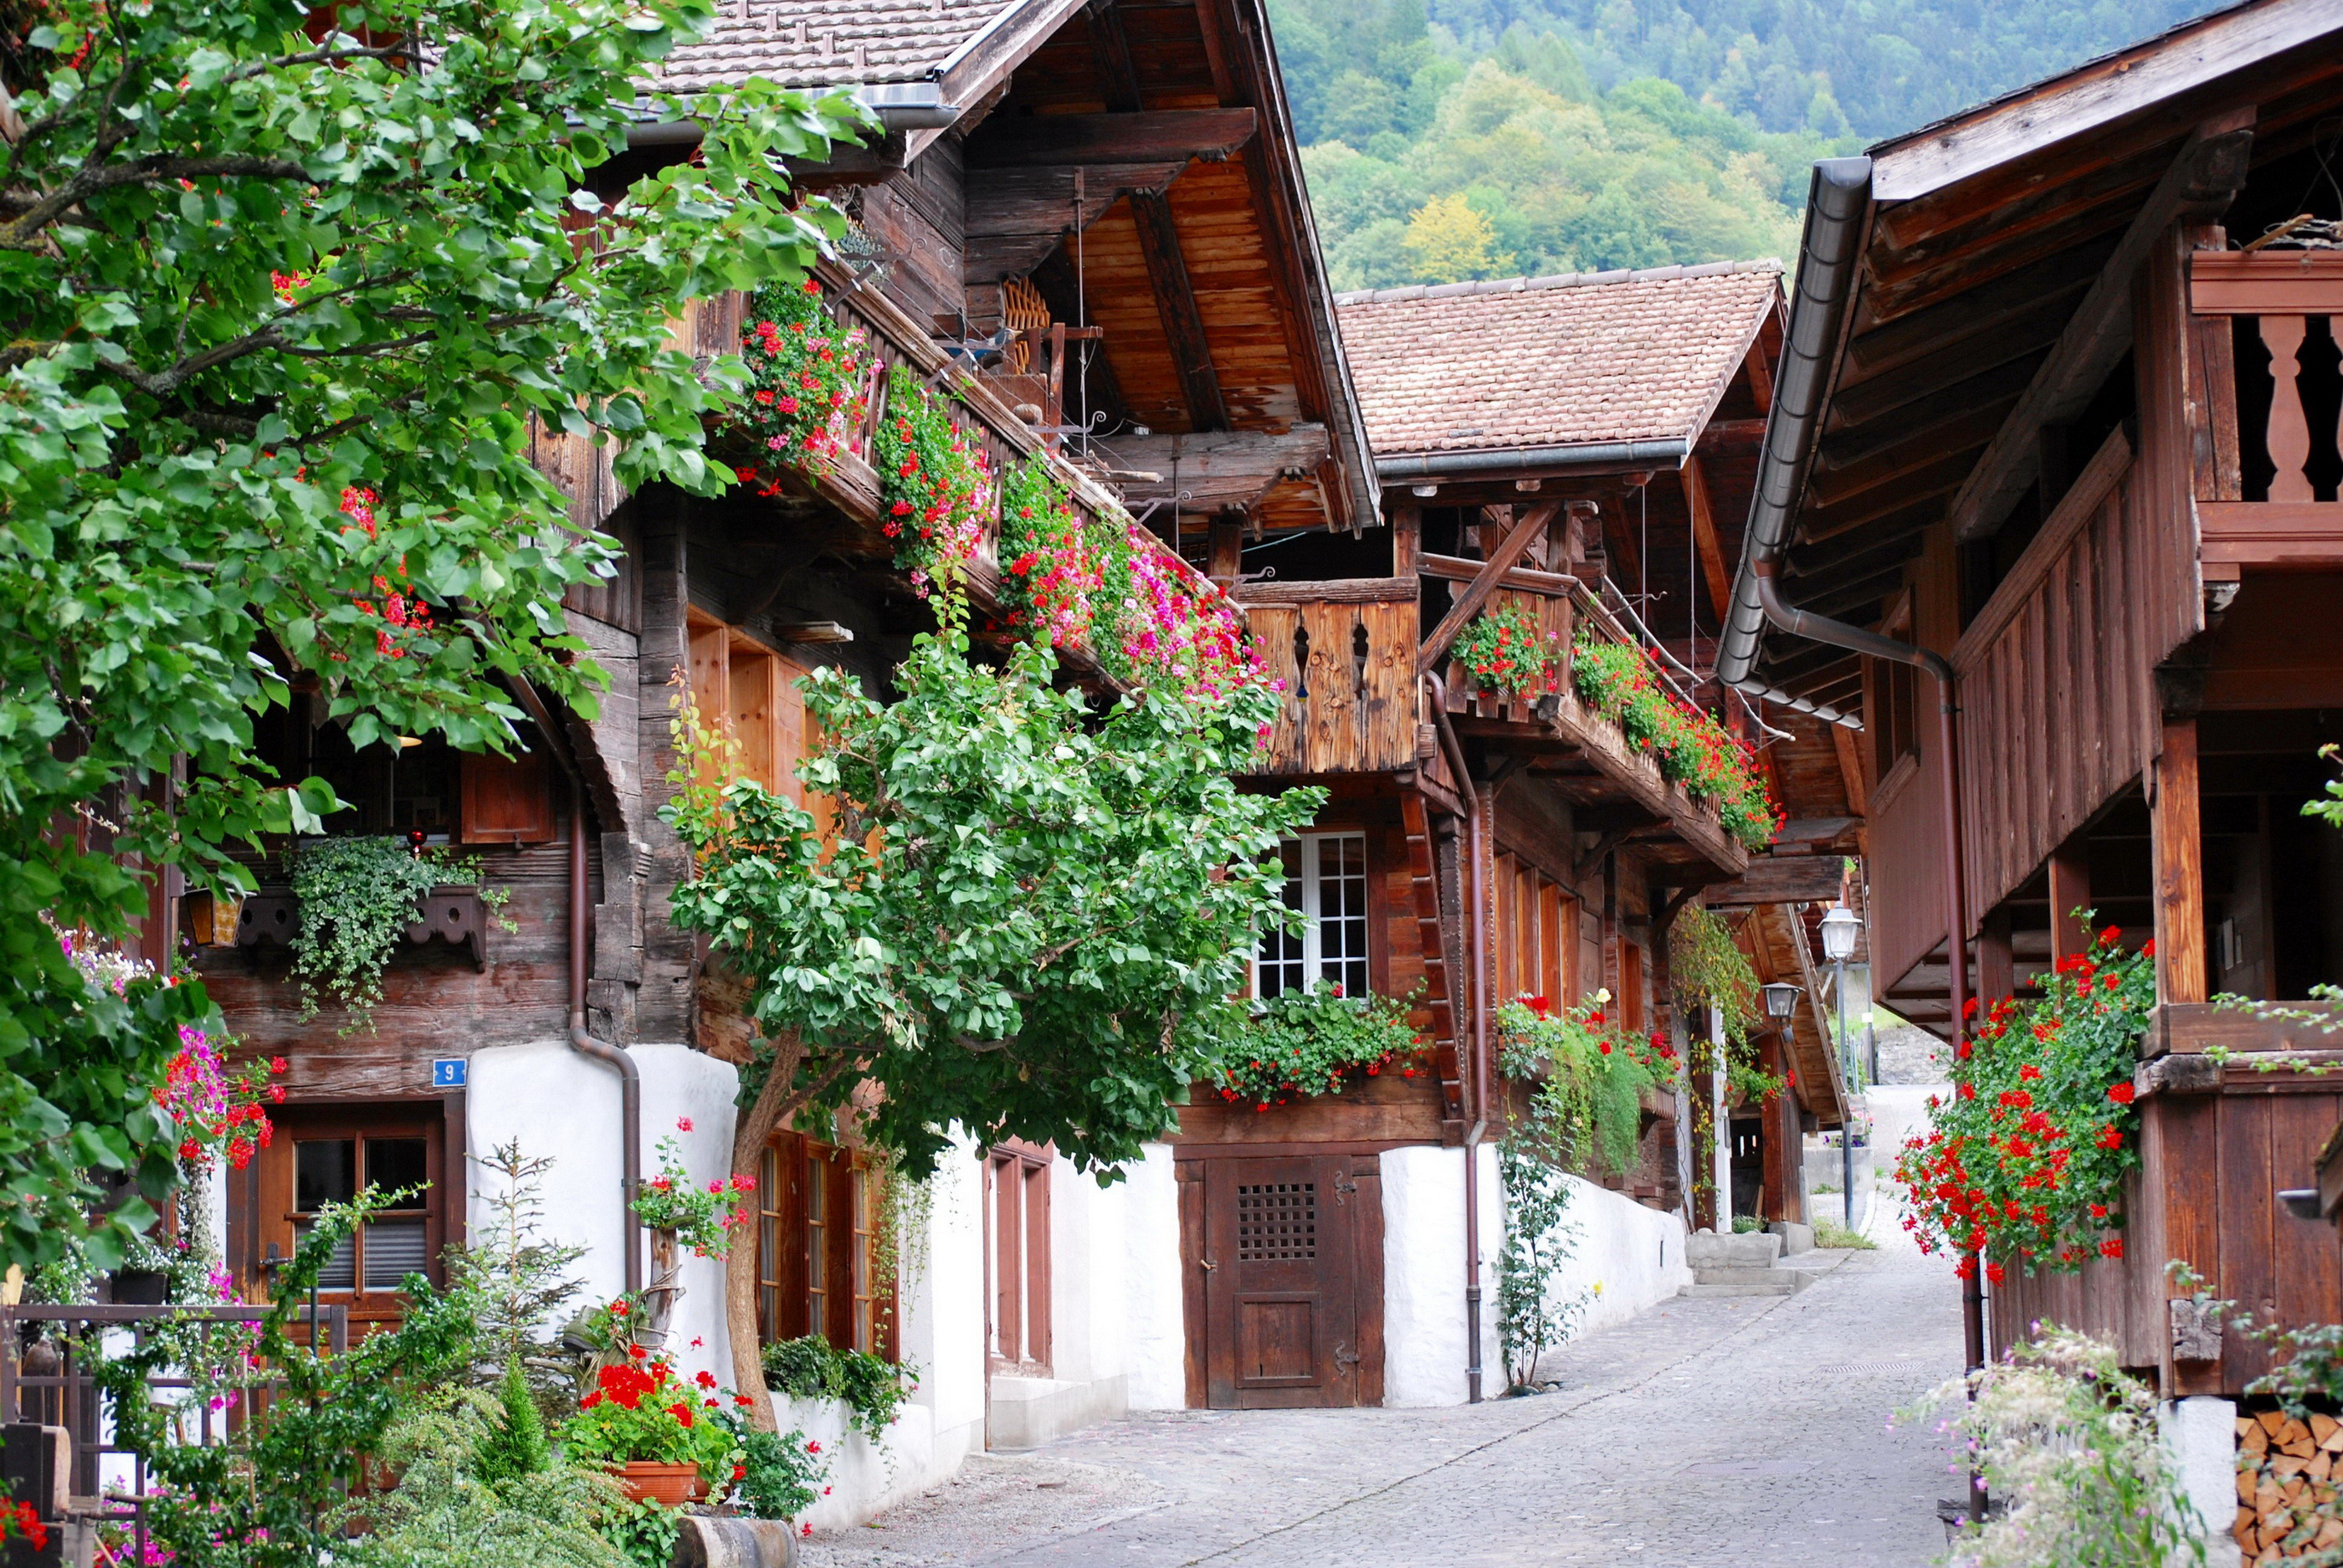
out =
column 749, row 1135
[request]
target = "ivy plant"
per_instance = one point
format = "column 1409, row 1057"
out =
column 357, row 897
column 873, row 1389
column 1586, row 1076
column 1033, row 920
column 265, row 260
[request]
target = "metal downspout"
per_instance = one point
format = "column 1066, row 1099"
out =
column 1476, row 1076
column 630, row 1086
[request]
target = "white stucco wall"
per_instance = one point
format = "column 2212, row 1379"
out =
column 1425, row 1338
column 2201, row 1434
column 564, row 1106
column 1155, row 1308
column 1634, row 1253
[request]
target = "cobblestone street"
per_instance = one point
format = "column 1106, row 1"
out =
column 1721, row 1433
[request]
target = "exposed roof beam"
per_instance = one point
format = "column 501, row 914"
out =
column 1176, row 308
column 1147, row 136
column 2202, row 181
column 1850, row 769
column 1714, row 570
column 2097, row 95
column 1226, row 468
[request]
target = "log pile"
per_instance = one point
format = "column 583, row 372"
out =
column 2288, row 1475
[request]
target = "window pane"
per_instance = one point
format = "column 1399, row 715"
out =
column 769, row 1248
column 323, row 1172
column 817, row 1244
column 1279, row 966
column 340, row 1272
column 1342, row 911
column 394, row 1164
column 394, row 1250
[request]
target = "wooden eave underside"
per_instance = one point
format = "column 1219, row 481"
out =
column 1964, row 289
column 1774, row 938
column 1199, row 261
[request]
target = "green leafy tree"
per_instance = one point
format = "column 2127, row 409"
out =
column 1031, row 923
column 280, row 304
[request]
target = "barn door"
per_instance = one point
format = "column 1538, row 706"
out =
column 1292, row 1260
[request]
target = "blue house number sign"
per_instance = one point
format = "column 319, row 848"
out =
column 447, row 1072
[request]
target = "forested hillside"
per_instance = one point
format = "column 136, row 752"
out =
column 1478, row 138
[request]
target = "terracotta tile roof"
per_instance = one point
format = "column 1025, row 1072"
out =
column 1552, row 361
column 831, row 43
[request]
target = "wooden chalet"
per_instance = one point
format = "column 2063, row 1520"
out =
column 1476, row 847
column 2057, row 409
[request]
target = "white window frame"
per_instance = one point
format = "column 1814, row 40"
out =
column 1314, row 961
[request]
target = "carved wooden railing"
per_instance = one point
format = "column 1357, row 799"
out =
column 1345, row 652
column 2263, row 361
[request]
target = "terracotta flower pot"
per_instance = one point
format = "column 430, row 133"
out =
column 669, row 1485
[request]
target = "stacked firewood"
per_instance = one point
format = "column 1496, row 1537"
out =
column 2287, row 1474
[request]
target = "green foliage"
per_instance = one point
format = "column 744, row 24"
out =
column 1504, row 652
column 1587, row 1076
column 279, row 311
column 1831, row 1234
column 1312, row 1042
column 2068, row 1445
column 873, row 1389
column 1473, row 138
column 357, row 897
column 933, row 480
column 1034, row 919
column 781, row 1475
column 273, row 1492
column 1619, row 682
column 518, row 1283
column 1748, row 1225
column 1540, row 1237
column 461, row 1502
column 1708, row 969
column 513, row 1445
column 644, row 1532
column 2025, row 1163
column 1067, row 574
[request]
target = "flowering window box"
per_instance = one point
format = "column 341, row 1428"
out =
column 450, row 914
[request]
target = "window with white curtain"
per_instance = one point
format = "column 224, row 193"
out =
column 1326, row 880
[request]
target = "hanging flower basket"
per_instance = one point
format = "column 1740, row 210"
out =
column 669, row 1485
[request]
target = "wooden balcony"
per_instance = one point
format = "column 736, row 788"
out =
column 1346, row 650
column 1617, row 788
column 2261, row 463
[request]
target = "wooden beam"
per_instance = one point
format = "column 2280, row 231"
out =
column 1780, row 879
column 1596, row 856
column 1326, row 590
column 1759, row 367
column 2202, row 181
column 1996, row 973
column 1695, row 481
column 2069, row 876
column 1227, row 551
column 1176, row 308
column 2179, row 850
column 1407, row 540
column 1464, row 568
column 1218, row 470
column 1850, row 769
column 1485, row 583
column 1147, row 136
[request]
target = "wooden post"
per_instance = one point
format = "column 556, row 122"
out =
column 1407, row 540
column 2180, row 867
column 1228, row 551
column 1996, row 973
column 2070, row 889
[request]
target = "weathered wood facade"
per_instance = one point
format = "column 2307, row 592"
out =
column 2064, row 438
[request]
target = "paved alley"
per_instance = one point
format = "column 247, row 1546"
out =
column 1729, row 1434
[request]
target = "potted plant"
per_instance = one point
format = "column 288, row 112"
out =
column 358, row 899
column 1306, row 1044
column 656, row 1434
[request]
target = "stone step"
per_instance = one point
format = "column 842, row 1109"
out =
column 1731, row 1282
column 1753, row 1249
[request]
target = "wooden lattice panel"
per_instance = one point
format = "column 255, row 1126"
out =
column 2287, row 1504
column 1277, row 1223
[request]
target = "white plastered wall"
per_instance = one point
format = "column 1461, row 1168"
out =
column 1635, row 1253
column 941, row 1308
column 560, row 1105
column 1157, row 1335
column 2200, row 1433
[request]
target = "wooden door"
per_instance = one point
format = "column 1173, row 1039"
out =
column 1292, row 1301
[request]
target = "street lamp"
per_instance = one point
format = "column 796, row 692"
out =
column 1838, row 945
column 1781, row 998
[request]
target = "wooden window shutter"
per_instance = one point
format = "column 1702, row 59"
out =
column 508, row 800
column 755, row 674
